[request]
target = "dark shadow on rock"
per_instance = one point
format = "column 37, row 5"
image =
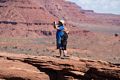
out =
column 117, row 64
column 15, row 78
column 8, row 22
column 93, row 74
column 3, row 1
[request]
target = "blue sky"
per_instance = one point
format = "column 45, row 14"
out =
column 101, row 6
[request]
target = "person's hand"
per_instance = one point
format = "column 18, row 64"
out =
column 55, row 24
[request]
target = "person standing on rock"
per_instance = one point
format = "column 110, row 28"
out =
column 61, row 34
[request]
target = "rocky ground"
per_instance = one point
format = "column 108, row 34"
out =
column 27, row 67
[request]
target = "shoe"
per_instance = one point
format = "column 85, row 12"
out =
column 66, row 56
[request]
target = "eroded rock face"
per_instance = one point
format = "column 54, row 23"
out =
column 17, row 70
column 24, row 17
column 26, row 67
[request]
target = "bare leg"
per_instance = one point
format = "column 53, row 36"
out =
column 65, row 53
column 60, row 51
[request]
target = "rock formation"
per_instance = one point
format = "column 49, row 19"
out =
column 27, row 67
column 33, row 19
column 25, row 17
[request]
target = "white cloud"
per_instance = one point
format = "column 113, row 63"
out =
column 102, row 6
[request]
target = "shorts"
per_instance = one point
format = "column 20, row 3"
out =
column 62, row 46
column 58, row 46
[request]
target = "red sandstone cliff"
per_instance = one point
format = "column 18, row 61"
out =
column 26, row 67
column 30, row 17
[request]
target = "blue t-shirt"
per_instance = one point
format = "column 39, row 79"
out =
column 59, row 34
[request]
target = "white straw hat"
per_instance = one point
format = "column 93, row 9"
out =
column 62, row 21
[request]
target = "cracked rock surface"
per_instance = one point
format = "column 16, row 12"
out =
column 28, row 67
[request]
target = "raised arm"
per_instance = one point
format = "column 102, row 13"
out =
column 55, row 25
column 58, row 26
